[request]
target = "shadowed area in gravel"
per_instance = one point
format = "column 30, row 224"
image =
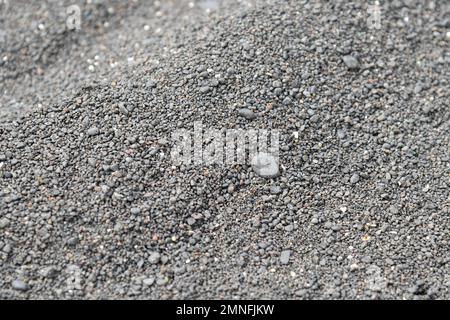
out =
column 92, row 205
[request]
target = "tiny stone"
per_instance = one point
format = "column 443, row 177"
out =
column 154, row 257
column 314, row 118
column 118, row 227
column 204, row 89
column 275, row 189
column 135, row 210
column 287, row 101
column 151, row 84
column 284, row 257
column 172, row 199
column 247, row 113
column 4, row 222
column 277, row 84
column 353, row 267
column 289, row 228
column 426, row 109
column 265, row 165
column 301, row 293
column 72, row 241
column 7, row 248
column 164, row 259
column 393, row 210
column 161, row 281
column 93, row 131
column 49, row 272
column 214, row 83
column 341, row 134
column 354, row 179
column 20, row 285
column 148, row 281
column 123, row 109
column 140, row 263
column 351, row 62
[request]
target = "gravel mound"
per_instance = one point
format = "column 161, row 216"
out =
column 92, row 205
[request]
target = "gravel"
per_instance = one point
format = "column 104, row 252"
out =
column 357, row 206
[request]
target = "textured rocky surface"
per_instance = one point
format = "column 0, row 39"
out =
column 91, row 205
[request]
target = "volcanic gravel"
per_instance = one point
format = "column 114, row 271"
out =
column 93, row 207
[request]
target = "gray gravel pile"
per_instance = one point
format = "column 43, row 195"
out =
column 92, row 205
column 44, row 60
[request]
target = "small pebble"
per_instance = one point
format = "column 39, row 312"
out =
column 19, row 285
column 154, row 257
column 275, row 189
column 72, row 241
column 93, row 131
column 289, row 228
column 351, row 62
column 151, row 84
column 354, row 178
column 265, row 165
column 287, row 101
column 247, row 113
column 204, row 89
column 4, row 222
column 135, row 210
column 285, row 256
column 148, row 281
